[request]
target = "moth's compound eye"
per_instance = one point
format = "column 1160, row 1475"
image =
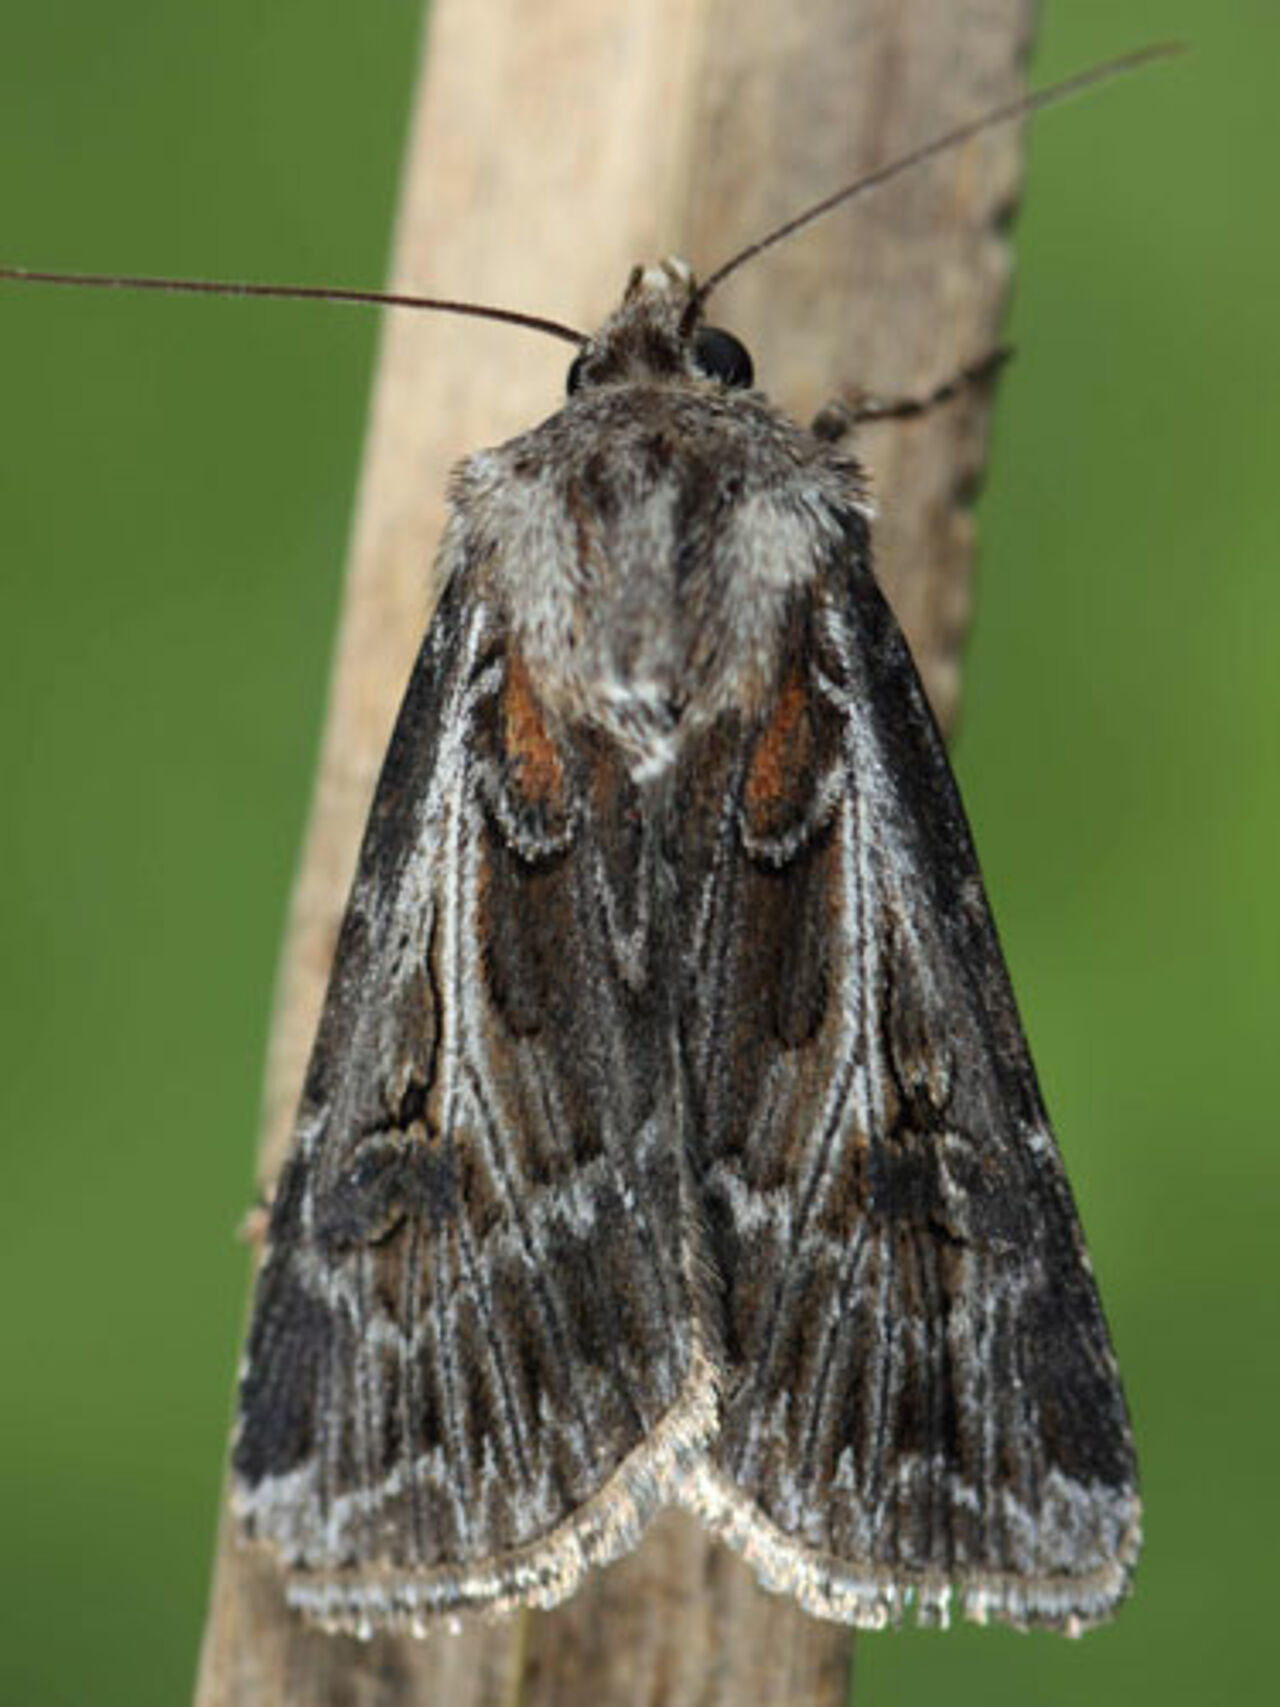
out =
column 573, row 379
column 722, row 357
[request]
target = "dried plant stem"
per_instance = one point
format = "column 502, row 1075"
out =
column 552, row 147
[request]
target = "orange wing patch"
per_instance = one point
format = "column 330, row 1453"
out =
column 536, row 770
column 780, row 780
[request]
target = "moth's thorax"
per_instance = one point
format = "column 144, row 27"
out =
column 645, row 545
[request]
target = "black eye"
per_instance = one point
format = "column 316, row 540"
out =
column 722, row 357
column 573, row 379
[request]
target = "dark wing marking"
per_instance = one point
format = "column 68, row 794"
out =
column 474, row 1362
column 920, row 1394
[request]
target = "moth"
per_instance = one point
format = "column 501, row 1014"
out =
column 670, row 1135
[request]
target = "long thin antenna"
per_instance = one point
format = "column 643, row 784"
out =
column 1020, row 108
column 297, row 293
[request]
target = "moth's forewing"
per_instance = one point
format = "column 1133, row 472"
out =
column 475, row 1358
column 923, row 1396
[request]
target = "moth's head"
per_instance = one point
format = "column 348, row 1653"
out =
column 658, row 334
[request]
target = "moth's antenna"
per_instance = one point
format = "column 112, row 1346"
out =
column 1020, row 108
column 556, row 329
column 298, row 293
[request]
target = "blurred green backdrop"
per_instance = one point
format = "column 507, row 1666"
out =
column 175, row 486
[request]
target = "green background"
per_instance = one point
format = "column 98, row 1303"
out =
column 175, row 486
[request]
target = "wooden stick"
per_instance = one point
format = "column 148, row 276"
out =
column 552, row 147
